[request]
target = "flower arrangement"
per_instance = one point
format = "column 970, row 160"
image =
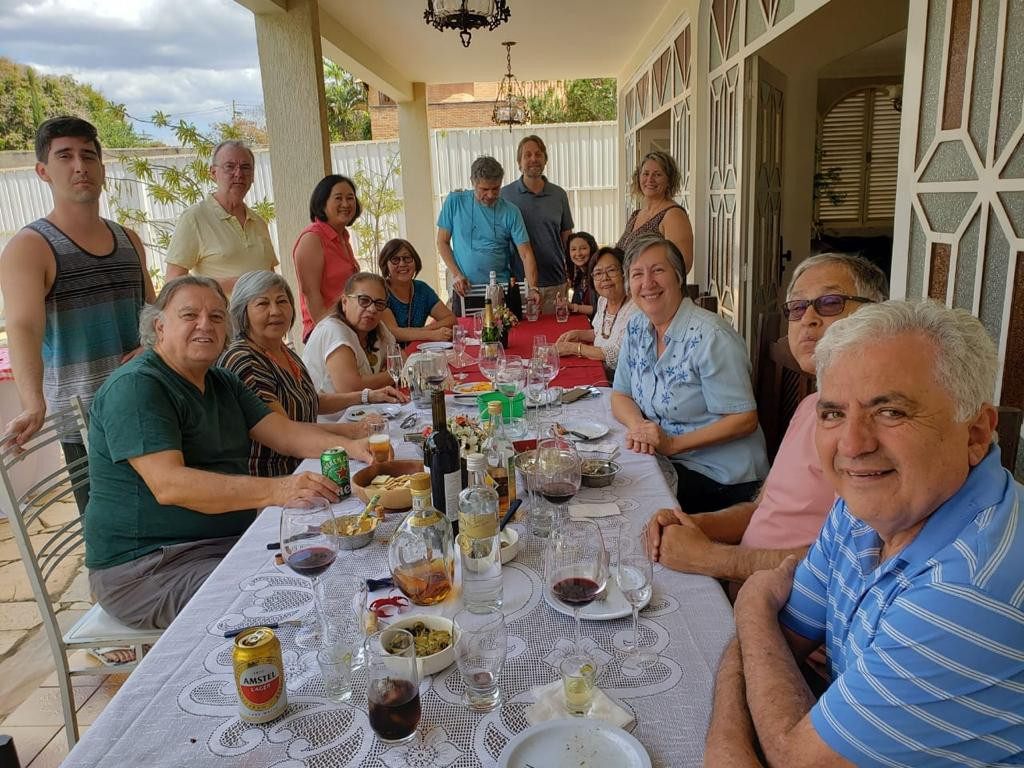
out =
column 505, row 316
column 467, row 431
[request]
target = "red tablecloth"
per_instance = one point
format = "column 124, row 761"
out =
column 572, row 372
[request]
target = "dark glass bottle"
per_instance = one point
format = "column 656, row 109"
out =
column 489, row 331
column 514, row 299
column 441, row 454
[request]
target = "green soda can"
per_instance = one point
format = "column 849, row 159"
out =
column 334, row 466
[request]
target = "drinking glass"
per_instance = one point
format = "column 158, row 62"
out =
column 634, row 573
column 557, row 473
column 392, row 685
column 561, row 308
column 547, row 358
column 459, row 347
column 481, row 641
column 490, row 358
column 540, row 340
column 335, row 661
column 578, row 673
column 576, row 566
column 380, row 441
column 344, row 602
column 536, row 382
column 308, row 551
column 395, row 363
column 478, row 323
column 510, row 381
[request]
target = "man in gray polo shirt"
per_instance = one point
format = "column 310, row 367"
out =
column 545, row 209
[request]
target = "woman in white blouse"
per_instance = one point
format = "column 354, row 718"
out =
column 347, row 350
column 614, row 308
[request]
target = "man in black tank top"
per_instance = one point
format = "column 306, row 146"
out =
column 72, row 280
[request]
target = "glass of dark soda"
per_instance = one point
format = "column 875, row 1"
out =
column 392, row 685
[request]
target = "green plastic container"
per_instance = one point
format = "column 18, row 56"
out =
column 515, row 405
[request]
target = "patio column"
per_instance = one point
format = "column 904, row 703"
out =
column 418, row 181
column 291, row 67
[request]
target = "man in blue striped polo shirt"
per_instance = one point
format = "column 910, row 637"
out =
column 915, row 584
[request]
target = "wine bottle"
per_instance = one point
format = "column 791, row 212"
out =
column 514, row 300
column 490, row 331
column 445, row 474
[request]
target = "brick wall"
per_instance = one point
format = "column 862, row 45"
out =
column 465, row 114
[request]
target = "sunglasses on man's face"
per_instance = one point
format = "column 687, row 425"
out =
column 365, row 301
column 829, row 305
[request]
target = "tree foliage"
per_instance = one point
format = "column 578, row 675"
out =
column 380, row 203
column 348, row 114
column 585, row 101
column 27, row 98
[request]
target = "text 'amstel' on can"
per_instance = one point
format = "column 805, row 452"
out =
column 259, row 675
column 334, row 466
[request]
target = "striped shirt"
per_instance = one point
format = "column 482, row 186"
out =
column 927, row 648
column 92, row 316
column 262, row 375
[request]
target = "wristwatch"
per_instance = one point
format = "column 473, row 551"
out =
column 366, row 396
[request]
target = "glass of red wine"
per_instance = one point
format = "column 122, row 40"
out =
column 556, row 478
column 576, row 566
column 309, row 551
column 392, row 685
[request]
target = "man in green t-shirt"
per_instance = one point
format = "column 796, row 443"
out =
column 169, row 442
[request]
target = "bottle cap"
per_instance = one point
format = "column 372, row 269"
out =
column 420, row 482
column 476, row 462
column 494, row 406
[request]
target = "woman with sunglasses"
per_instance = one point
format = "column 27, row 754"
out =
column 603, row 341
column 347, row 350
column 411, row 303
column 323, row 254
column 579, row 250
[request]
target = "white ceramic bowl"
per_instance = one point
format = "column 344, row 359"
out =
column 511, row 543
column 430, row 665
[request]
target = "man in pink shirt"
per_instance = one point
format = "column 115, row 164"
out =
column 785, row 517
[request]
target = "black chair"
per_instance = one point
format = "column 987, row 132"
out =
column 1008, row 434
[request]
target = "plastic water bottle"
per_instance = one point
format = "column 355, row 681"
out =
column 479, row 540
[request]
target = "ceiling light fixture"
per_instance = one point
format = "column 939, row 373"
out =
column 510, row 108
column 465, row 15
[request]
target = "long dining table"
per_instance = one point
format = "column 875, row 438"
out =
column 179, row 707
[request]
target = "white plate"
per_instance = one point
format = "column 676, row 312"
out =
column 614, row 605
column 358, row 412
column 574, row 742
column 435, row 346
column 592, row 429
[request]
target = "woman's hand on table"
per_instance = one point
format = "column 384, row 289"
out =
column 573, row 336
column 304, row 485
column 569, row 348
column 360, row 451
column 440, row 334
column 645, row 437
column 388, row 395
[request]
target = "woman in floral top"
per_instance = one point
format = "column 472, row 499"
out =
column 682, row 387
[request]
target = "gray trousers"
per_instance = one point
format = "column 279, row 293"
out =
column 148, row 592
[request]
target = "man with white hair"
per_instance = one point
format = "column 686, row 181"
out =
column 914, row 584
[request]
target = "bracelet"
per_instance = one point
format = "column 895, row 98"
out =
column 579, row 349
column 366, row 396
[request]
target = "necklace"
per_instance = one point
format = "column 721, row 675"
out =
column 606, row 326
column 408, row 311
column 292, row 365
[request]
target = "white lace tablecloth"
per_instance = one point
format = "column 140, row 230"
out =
column 179, row 707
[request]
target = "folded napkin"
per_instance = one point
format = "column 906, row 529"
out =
column 572, row 395
column 593, row 510
column 550, row 705
column 607, row 447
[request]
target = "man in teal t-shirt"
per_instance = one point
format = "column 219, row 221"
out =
column 476, row 228
column 169, row 444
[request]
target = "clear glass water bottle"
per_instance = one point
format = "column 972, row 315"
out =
column 479, row 540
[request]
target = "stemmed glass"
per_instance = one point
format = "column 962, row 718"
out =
column 576, row 566
column 556, row 471
column 546, row 358
column 536, row 381
column 634, row 573
column 395, row 363
column 309, row 551
column 491, row 356
column 510, row 380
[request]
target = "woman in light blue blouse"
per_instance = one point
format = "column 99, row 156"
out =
column 682, row 386
column 411, row 303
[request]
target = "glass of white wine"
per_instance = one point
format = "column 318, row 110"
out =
column 634, row 573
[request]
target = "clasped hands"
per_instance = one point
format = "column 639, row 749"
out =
column 648, row 437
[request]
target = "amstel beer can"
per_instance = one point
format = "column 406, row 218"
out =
column 259, row 675
column 334, row 466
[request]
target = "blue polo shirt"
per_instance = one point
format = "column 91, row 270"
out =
column 482, row 235
column 927, row 648
column 703, row 374
column 547, row 216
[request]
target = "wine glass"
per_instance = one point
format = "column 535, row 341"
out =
column 556, row 472
column 634, row 573
column 536, row 381
column 491, row 356
column 395, row 363
column 546, row 357
column 309, row 551
column 576, row 566
column 510, row 380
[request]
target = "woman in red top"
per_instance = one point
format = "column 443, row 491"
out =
column 323, row 256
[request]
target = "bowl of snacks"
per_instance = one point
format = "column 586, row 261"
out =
column 352, row 531
column 389, row 479
column 435, row 646
column 511, row 543
column 597, row 473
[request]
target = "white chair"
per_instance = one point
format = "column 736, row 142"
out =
column 95, row 629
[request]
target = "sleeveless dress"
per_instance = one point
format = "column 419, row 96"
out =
column 630, row 235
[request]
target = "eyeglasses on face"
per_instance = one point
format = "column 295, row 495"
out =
column 365, row 301
column 401, row 258
column 245, row 168
column 829, row 305
column 597, row 274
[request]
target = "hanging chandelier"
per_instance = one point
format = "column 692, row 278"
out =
column 510, row 107
column 465, row 15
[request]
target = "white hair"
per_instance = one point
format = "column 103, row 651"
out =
column 965, row 355
column 868, row 280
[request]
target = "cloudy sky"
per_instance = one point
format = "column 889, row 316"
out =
column 189, row 58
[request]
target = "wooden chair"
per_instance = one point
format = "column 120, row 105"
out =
column 1008, row 434
column 96, row 628
column 779, row 382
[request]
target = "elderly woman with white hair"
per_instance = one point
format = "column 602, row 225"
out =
column 169, row 437
column 263, row 310
column 682, row 386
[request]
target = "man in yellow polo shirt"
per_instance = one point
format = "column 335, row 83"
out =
column 222, row 237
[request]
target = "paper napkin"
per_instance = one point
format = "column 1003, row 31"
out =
column 593, row 510
column 550, row 705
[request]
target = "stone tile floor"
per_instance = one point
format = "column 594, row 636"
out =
column 30, row 708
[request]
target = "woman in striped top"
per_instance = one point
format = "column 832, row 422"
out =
column 263, row 309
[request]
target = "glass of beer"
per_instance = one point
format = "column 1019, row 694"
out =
column 392, row 685
column 380, row 441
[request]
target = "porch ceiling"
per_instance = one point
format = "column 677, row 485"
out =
column 387, row 43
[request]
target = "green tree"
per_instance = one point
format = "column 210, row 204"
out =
column 380, row 203
column 585, row 101
column 348, row 114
